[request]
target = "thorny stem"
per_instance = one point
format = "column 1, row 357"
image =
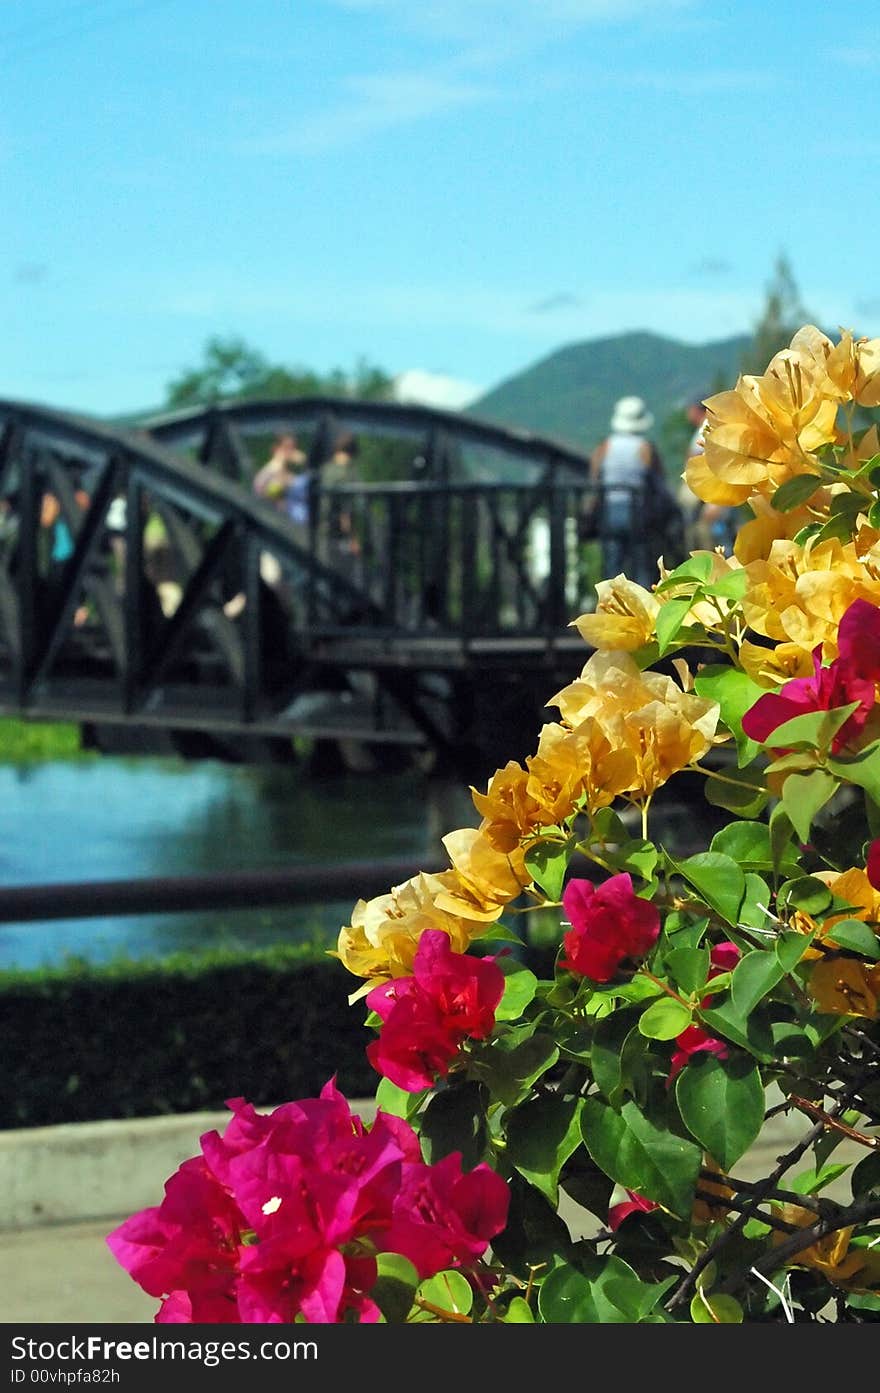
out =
column 813, row 1110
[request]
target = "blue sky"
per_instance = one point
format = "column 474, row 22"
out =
column 455, row 186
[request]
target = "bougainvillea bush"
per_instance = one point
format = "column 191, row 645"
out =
column 580, row 1148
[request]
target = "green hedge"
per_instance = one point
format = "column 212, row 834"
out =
column 183, row 1034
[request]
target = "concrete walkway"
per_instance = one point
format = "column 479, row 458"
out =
column 62, row 1189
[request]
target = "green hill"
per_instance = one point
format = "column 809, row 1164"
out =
column 569, row 395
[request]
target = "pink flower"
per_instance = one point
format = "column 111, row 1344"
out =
column 449, row 998
column 280, row 1218
column 853, row 676
column 444, row 1217
column 872, row 868
column 636, row 1204
column 693, row 1040
column 609, row 923
column 723, row 957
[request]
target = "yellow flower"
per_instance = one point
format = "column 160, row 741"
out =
column 855, row 888
column 488, row 879
column 382, row 938
column 624, row 616
column 645, row 715
column 508, row 810
column 571, row 764
column 757, row 535
column 666, row 735
column 768, row 427
column 830, row 1255
column 711, row 487
column 845, row 987
column 770, row 667
column 833, row 366
column 867, row 384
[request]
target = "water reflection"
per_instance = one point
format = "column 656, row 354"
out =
column 112, row 818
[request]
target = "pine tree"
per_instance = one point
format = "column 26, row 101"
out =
column 782, row 316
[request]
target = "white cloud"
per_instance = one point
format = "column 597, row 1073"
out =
column 371, row 103
column 435, row 389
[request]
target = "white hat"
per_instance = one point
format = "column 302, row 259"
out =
column 632, row 416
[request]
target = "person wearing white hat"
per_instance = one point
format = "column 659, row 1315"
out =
column 627, row 468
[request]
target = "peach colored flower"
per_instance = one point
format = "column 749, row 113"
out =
column 624, row 616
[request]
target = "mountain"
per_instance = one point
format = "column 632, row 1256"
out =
column 569, row 395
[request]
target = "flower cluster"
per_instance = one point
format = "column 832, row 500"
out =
column 691, row 998
column 284, row 1217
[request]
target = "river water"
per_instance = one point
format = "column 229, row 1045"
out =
column 112, row 818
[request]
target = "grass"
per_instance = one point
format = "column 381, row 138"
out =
column 25, row 741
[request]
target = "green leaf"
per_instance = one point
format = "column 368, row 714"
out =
column 735, row 693
column 795, row 491
column 607, row 1056
column 520, row 985
column 813, row 1182
column 496, row 933
column 449, row 1290
column 780, row 836
column 641, row 1156
column 721, row 1102
column 750, row 1032
column 803, row 795
column 730, row 587
column 748, row 843
column 755, row 975
column 395, row 1287
column 541, row 1135
column 697, row 568
column 716, row 1309
column 790, row 947
column 635, row 856
column 607, row 826
column 598, row 1291
column 866, row 1176
column 753, row 910
column 718, row 879
column 805, row 892
column 863, row 769
column 455, row 1120
column 746, row 794
column 514, row 1064
column 519, row 1312
column 815, row 729
column 669, row 620
column 856, row 936
column 397, row 1102
column 546, row 863
column 664, row 1019
column 689, row 968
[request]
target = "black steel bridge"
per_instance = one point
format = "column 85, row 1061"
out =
column 180, row 603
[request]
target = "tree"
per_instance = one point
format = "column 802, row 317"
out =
column 231, row 370
column 782, row 316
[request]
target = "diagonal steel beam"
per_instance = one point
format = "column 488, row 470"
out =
column 170, row 641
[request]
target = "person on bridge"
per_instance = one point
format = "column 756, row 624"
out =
column 633, row 499
column 284, row 467
column 342, row 543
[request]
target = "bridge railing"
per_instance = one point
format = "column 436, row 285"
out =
column 477, row 559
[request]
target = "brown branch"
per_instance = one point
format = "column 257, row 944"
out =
column 749, row 1211
column 739, row 1206
column 813, row 1110
column 859, row 1212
